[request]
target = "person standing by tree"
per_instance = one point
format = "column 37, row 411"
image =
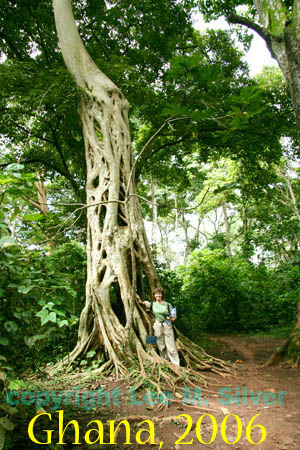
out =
column 163, row 329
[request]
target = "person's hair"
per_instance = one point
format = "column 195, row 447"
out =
column 158, row 290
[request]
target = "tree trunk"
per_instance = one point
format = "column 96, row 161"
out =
column 293, row 348
column 116, row 239
column 154, row 227
column 282, row 38
column 290, row 350
column 185, row 226
column 227, row 228
column 42, row 206
column 118, row 253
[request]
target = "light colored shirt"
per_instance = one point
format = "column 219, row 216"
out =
column 160, row 310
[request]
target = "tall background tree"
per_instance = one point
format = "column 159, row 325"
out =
column 277, row 22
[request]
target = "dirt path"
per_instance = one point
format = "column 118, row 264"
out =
column 235, row 344
column 258, row 404
column 272, row 392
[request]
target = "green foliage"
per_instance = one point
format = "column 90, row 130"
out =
column 131, row 42
column 170, row 282
column 224, row 295
column 41, row 299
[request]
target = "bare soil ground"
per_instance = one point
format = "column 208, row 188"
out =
column 272, row 394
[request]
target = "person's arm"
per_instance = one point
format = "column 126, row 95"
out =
column 146, row 303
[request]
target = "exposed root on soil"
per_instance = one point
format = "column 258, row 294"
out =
column 160, row 419
column 161, row 375
column 148, row 369
column 143, row 367
column 288, row 354
column 196, row 359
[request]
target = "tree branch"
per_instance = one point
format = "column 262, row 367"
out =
column 236, row 19
column 47, row 165
column 169, row 144
column 29, row 132
column 148, row 143
column 77, row 59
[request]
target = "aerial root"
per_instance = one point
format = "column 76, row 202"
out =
column 106, row 366
column 197, row 359
column 296, row 364
column 200, row 408
column 162, row 375
column 143, row 373
column 151, row 370
column 67, row 361
column 285, row 354
column 160, row 419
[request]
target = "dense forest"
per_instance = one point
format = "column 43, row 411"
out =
column 138, row 152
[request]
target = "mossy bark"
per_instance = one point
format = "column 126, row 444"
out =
column 290, row 350
column 281, row 28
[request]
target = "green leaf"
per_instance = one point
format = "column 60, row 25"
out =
column 11, row 326
column 62, row 323
column 15, row 385
column 49, row 305
column 52, row 317
column 59, row 313
column 6, row 180
column 7, row 368
column 226, row 186
column 90, row 354
column 30, row 341
column 14, row 191
column 6, row 423
column 11, row 410
column 4, row 341
column 25, row 289
column 15, row 166
column 44, row 316
column 33, row 217
column 6, row 241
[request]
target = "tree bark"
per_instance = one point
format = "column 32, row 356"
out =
column 185, row 227
column 280, row 30
column 154, row 227
column 41, row 205
column 116, row 239
column 227, row 228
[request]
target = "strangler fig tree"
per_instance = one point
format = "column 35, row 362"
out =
column 119, row 261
